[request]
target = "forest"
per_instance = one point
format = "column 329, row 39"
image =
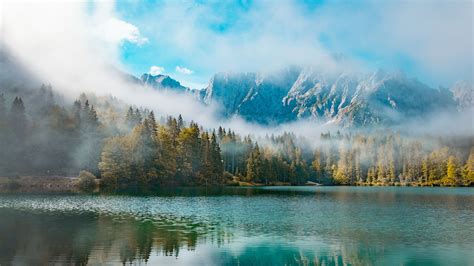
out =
column 127, row 147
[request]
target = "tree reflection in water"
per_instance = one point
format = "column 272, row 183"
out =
column 39, row 238
column 271, row 226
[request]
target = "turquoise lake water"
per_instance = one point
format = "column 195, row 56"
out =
column 242, row 226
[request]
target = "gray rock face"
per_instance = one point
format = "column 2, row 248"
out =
column 255, row 97
column 344, row 99
column 162, row 82
column 463, row 93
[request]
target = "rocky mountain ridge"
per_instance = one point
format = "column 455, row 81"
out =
column 345, row 99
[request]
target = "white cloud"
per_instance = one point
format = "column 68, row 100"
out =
column 65, row 45
column 115, row 31
column 74, row 50
column 184, row 70
column 432, row 38
column 156, row 70
column 268, row 36
column 109, row 28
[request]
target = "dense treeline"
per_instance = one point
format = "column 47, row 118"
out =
column 44, row 138
column 389, row 159
column 153, row 155
column 370, row 159
column 129, row 149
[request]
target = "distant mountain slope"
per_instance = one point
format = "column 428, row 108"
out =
column 14, row 77
column 162, row 82
column 290, row 94
column 463, row 93
column 254, row 97
column 344, row 99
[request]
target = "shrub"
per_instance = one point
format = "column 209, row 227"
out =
column 13, row 184
column 86, row 181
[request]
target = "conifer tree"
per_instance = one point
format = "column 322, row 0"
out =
column 76, row 109
column 468, row 170
column 205, row 173
column 18, row 121
column 254, row 165
column 137, row 116
column 381, row 165
column 316, row 164
column 217, row 164
column 189, row 153
column 180, row 122
column 167, row 164
column 344, row 169
column 452, row 172
column 93, row 120
column 85, row 111
column 153, row 127
column 130, row 118
column 116, row 164
column 3, row 112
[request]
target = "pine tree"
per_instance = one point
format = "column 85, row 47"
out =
column 205, row 173
column 329, row 164
column 358, row 168
column 85, row 111
column 343, row 172
column 254, row 165
column 4, row 134
column 167, row 164
column 173, row 126
column 180, row 122
column 137, row 117
column 93, row 120
column 452, row 172
column 220, row 133
column 468, row 170
column 391, row 174
column 153, row 127
column 189, row 153
column 116, row 163
column 217, row 164
column 18, row 120
column 316, row 164
column 371, row 175
column 436, row 166
column 3, row 112
column 425, row 168
column 381, row 165
column 76, row 109
column 130, row 118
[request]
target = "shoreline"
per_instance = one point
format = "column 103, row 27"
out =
column 67, row 184
column 32, row 184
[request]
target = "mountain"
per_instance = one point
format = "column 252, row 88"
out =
column 343, row 98
column 162, row 82
column 14, row 76
column 291, row 94
column 253, row 96
column 463, row 93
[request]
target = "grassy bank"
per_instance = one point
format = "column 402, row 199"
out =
column 39, row 184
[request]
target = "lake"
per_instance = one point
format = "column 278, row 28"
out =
column 242, row 226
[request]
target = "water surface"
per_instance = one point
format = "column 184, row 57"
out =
column 269, row 226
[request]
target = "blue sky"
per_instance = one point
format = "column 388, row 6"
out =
column 192, row 40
